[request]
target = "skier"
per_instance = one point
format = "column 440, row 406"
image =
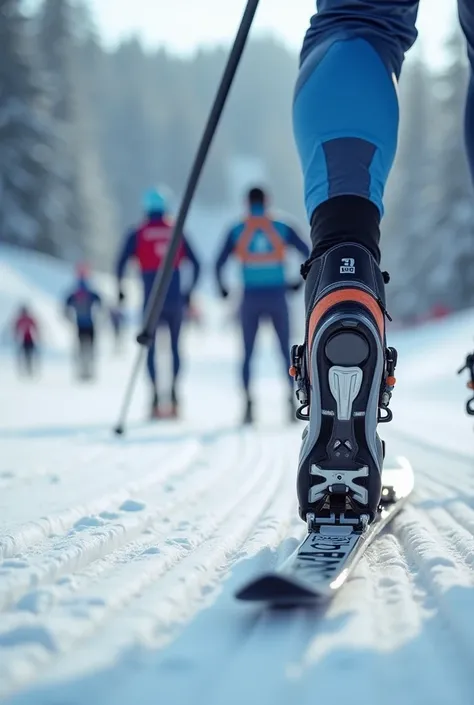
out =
column 345, row 117
column 260, row 242
column 81, row 306
column 26, row 334
column 148, row 244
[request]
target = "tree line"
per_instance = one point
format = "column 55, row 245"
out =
column 84, row 130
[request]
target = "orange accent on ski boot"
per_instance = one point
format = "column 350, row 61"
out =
column 470, row 385
column 293, row 371
column 391, row 381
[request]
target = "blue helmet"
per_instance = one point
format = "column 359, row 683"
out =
column 154, row 202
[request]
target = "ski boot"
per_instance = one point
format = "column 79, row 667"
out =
column 344, row 378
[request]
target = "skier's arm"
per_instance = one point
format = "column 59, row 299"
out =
column 294, row 240
column 68, row 305
column 191, row 256
column 225, row 253
column 128, row 251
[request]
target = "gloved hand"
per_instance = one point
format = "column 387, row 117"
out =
column 296, row 286
column 121, row 295
column 224, row 292
column 187, row 299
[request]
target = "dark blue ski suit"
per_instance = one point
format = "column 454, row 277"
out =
column 346, row 108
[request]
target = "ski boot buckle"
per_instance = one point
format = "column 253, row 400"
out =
column 298, row 372
column 385, row 414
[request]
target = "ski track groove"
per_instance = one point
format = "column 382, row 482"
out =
column 33, row 532
column 168, row 562
column 262, row 517
column 438, row 571
column 67, row 554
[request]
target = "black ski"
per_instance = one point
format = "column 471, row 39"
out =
column 321, row 564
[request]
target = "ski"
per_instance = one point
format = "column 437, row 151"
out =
column 325, row 559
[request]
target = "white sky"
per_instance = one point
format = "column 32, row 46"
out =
column 183, row 25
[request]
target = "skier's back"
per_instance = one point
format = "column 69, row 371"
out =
column 260, row 241
column 26, row 334
column 81, row 304
column 346, row 122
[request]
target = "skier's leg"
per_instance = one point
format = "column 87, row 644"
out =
column 346, row 123
column 29, row 358
column 20, row 358
column 281, row 323
column 466, row 16
column 151, row 369
column 91, row 353
column 280, row 318
column 82, row 353
column 249, row 320
column 175, row 322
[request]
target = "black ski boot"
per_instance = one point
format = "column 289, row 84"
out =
column 344, row 377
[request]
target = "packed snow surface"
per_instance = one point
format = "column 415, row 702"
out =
column 119, row 557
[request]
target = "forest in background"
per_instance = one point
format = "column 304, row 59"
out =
column 84, row 130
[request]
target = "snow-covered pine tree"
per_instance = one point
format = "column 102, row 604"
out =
column 24, row 139
column 55, row 51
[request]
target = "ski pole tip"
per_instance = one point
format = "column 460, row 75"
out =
column 119, row 430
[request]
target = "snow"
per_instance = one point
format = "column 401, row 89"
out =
column 119, row 557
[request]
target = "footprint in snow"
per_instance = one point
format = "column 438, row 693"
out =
column 7, row 475
column 28, row 635
column 153, row 550
column 66, row 580
column 88, row 522
column 109, row 515
column 37, row 602
column 131, row 505
column 15, row 564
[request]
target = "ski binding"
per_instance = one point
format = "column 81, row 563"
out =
column 325, row 559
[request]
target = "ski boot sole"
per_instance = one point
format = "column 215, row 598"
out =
column 339, row 479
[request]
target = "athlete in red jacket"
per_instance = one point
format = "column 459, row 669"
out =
column 148, row 245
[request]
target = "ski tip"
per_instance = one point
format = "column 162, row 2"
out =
column 275, row 589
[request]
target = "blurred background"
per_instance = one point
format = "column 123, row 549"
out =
column 101, row 98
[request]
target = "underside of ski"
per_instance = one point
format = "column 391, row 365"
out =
column 325, row 559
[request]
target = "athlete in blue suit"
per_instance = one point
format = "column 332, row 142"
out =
column 345, row 124
column 82, row 304
column 261, row 242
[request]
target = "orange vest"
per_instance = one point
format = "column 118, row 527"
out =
column 253, row 224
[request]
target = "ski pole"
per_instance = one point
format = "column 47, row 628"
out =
column 163, row 276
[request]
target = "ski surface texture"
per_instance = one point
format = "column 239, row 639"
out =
column 321, row 564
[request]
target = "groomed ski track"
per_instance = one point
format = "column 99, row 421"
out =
column 119, row 557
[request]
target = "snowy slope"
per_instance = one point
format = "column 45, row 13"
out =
column 119, row 557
